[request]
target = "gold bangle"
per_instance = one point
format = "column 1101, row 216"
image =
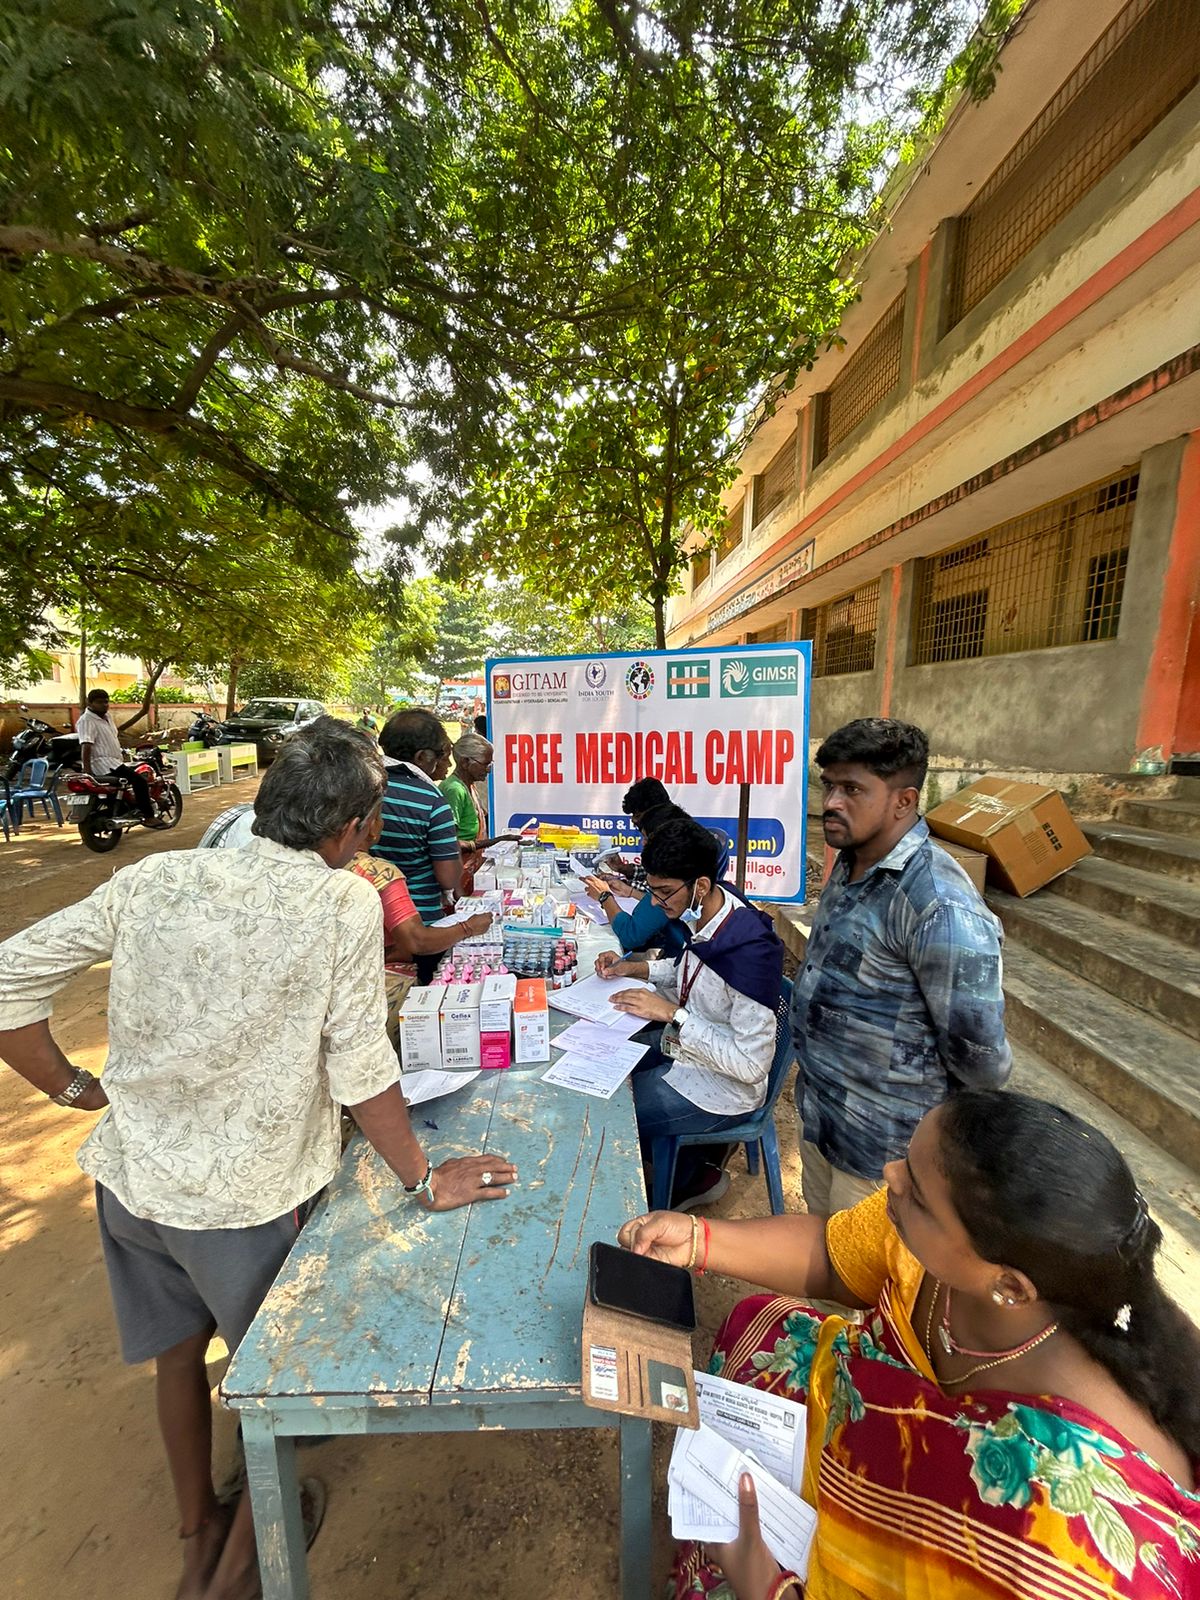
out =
column 783, row 1583
column 695, row 1242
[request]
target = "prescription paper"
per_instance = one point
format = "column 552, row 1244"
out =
column 418, row 1087
column 706, row 1467
column 590, row 1073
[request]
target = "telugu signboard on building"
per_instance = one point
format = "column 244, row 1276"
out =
column 571, row 733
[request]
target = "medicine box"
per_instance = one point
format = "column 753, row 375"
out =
column 496, row 1004
column 531, row 1022
column 460, row 1027
column 421, row 1029
column 495, row 1051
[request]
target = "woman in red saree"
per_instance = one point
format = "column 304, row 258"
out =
column 1017, row 1416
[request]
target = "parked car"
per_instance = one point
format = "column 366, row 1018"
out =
column 266, row 723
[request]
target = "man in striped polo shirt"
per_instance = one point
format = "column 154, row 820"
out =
column 418, row 834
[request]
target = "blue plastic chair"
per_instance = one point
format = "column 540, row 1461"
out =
column 756, row 1132
column 32, row 787
column 5, row 809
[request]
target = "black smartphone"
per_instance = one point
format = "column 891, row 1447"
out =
column 620, row 1281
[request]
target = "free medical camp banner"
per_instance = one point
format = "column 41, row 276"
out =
column 571, row 733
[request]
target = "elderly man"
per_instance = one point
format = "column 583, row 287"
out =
column 245, row 1006
column 473, row 757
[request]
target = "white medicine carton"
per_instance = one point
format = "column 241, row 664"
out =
column 460, row 1027
column 421, row 1029
column 496, row 1003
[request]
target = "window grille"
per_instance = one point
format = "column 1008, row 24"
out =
column 731, row 534
column 1052, row 577
column 843, row 632
column 701, row 565
column 777, row 482
column 1141, row 67
column 871, row 374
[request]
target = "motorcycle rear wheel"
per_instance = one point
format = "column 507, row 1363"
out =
column 100, row 834
column 174, row 810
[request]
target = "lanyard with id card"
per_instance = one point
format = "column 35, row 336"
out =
column 669, row 1043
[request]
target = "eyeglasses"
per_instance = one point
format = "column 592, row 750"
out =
column 664, row 899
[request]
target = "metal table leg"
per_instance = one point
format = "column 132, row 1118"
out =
column 635, row 1508
column 275, row 1498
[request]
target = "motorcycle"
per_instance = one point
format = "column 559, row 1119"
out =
column 36, row 739
column 205, row 728
column 103, row 808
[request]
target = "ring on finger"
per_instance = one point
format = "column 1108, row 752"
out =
column 485, row 1179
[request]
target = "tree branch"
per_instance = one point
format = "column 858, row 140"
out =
column 26, row 241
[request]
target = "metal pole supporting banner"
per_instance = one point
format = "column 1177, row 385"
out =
column 743, row 836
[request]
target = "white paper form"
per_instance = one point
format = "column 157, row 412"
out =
column 708, row 1467
column 418, row 1087
column 592, row 1039
column 591, row 999
column 770, row 1427
column 594, row 1074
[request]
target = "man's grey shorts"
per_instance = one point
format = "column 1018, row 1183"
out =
column 169, row 1284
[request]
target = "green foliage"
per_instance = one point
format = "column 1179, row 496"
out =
column 461, row 637
column 524, row 623
column 264, row 678
column 134, row 693
column 403, row 639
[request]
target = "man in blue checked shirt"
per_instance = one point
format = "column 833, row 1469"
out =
column 899, row 1001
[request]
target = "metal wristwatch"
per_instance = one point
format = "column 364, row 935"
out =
column 424, row 1187
column 680, row 1017
column 81, row 1082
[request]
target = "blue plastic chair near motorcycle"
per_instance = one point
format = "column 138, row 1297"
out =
column 31, row 788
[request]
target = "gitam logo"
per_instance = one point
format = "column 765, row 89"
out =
column 639, row 680
column 751, row 677
column 502, row 686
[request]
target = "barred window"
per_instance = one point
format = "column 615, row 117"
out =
column 871, row 374
column 1139, row 68
column 1052, row 577
column 731, row 534
column 777, row 633
column 843, row 632
column 777, row 482
column 701, row 565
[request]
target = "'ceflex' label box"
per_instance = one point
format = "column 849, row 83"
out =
column 421, row 1029
column 460, row 1027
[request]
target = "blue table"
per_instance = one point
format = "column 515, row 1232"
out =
column 387, row 1319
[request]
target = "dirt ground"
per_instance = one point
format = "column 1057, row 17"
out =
column 87, row 1512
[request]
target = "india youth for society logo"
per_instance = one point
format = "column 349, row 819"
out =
column 748, row 677
column 595, row 673
column 687, row 680
column 639, row 680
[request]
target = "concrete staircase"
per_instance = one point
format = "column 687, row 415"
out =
column 1102, row 983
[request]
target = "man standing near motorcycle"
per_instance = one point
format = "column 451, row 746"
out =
column 222, row 1122
column 102, row 756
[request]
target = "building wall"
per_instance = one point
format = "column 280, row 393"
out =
column 1084, row 360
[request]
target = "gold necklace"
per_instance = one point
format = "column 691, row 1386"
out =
column 984, row 1366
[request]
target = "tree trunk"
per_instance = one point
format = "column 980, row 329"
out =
column 151, row 684
column 82, row 667
column 660, row 622
column 231, row 691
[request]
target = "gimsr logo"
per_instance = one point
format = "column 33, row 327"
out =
column 750, row 677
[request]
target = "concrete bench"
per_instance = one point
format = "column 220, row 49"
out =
column 196, row 769
column 237, row 761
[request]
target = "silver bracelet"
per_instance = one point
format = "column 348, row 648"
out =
column 81, row 1082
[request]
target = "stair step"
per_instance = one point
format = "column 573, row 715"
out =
column 1144, row 1070
column 1143, row 968
column 1148, row 899
column 1180, row 817
column 1169, row 854
column 1171, row 1189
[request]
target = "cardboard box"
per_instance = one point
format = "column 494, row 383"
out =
column 973, row 862
column 421, row 1029
column 460, row 1027
column 495, row 1051
column 396, row 986
column 531, row 1022
column 1025, row 830
column 496, row 1003
column 638, row 1368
